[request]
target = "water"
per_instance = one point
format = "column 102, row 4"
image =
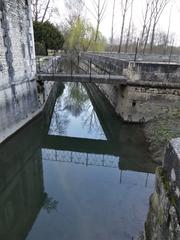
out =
column 84, row 176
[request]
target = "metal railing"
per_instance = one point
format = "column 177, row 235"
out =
column 49, row 64
column 86, row 159
column 139, row 57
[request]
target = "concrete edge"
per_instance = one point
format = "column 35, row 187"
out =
column 175, row 143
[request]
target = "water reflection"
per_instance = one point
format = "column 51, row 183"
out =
column 94, row 181
column 94, row 160
column 99, row 170
column 96, row 129
column 74, row 114
column 22, row 193
column 21, row 183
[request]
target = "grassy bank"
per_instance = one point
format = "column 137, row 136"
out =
column 159, row 131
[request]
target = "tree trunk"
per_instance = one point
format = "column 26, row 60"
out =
column 45, row 11
column 122, row 27
column 112, row 27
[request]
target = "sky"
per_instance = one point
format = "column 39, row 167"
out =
column 105, row 27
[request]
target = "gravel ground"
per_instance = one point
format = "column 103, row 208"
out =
column 159, row 131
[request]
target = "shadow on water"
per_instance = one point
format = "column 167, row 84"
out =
column 97, row 195
column 125, row 141
column 21, row 176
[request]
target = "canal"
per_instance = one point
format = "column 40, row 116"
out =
column 75, row 172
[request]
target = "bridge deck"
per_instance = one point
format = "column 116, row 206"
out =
column 84, row 78
column 106, row 79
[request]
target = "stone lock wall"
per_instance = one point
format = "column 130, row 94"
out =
column 163, row 220
column 18, row 95
column 152, row 88
column 153, row 72
column 141, row 104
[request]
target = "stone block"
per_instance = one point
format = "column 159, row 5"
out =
column 18, row 95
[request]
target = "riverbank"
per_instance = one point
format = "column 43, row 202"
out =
column 159, row 132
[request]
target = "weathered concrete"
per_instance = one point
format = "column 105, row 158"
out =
column 141, row 104
column 152, row 88
column 18, row 94
column 163, row 221
column 141, row 57
column 83, row 78
column 136, row 70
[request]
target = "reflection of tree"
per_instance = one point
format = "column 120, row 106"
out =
column 75, row 99
column 91, row 121
column 50, row 204
column 59, row 120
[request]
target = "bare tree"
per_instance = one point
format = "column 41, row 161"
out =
column 43, row 10
column 168, row 32
column 124, row 8
column 147, row 24
column 129, row 28
column 158, row 7
column 98, row 13
column 147, row 16
column 112, row 26
column 74, row 10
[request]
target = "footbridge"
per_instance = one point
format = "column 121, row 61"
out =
column 153, row 71
column 83, row 78
column 139, row 87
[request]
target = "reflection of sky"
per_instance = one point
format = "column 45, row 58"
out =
column 69, row 119
column 96, row 200
column 95, row 203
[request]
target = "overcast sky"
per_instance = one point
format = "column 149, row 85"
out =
column 105, row 27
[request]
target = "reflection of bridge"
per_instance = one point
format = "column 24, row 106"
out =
column 80, row 158
column 86, row 159
column 123, row 141
column 126, row 158
column 83, row 145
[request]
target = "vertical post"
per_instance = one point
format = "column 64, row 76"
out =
column 90, row 68
column 59, row 66
column 121, row 176
column 136, row 50
column 87, row 160
column 56, row 158
column 146, row 183
column 39, row 65
column 170, row 56
column 71, row 157
column 71, row 68
column 78, row 62
column 109, row 69
column 53, row 66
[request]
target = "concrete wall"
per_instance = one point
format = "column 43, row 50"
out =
column 163, row 221
column 141, row 104
column 153, row 72
column 18, row 95
column 137, row 70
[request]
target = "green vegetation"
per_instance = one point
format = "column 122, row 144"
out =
column 160, row 216
column 167, row 187
column 47, row 36
column 81, row 37
column 158, row 133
